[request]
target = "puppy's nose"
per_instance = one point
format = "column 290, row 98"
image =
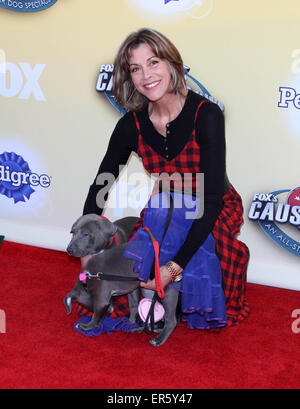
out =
column 70, row 251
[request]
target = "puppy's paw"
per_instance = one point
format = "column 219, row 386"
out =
column 137, row 329
column 154, row 342
column 158, row 341
column 110, row 309
column 85, row 326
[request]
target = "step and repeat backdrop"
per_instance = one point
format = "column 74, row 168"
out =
column 57, row 113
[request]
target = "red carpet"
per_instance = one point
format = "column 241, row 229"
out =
column 40, row 348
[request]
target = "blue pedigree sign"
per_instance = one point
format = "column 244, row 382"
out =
column 16, row 178
column 27, row 6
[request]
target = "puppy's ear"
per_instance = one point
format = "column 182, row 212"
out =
column 73, row 228
column 107, row 227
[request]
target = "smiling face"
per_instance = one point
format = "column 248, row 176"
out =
column 150, row 74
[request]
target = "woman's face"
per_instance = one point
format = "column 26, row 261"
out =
column 150, row 74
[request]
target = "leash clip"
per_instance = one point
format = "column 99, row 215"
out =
column 87, row 275
column 97, row 275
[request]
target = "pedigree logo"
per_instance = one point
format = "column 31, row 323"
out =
column 289, row 98
column 17, row 181
column 289, row 95
column 279, row 208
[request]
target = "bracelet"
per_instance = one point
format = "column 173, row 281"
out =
column 174, row 271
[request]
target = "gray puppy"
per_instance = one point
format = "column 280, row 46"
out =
column 96, row 294
column 91, row 236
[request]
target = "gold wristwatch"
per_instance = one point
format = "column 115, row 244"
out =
column 175, row 272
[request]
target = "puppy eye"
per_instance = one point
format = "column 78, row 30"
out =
column 85, row 234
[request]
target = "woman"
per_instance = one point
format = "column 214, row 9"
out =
column 176, row 130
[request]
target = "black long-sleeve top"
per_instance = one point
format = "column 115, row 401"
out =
column 210, row 135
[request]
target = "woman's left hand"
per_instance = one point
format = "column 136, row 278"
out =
column 165, row 276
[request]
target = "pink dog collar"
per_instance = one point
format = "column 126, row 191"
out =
column 144, row 307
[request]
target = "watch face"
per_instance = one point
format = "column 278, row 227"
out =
column 178, row 278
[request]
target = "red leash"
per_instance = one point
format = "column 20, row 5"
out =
column 159, row 287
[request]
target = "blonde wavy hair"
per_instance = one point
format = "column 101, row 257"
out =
column 124, row 91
